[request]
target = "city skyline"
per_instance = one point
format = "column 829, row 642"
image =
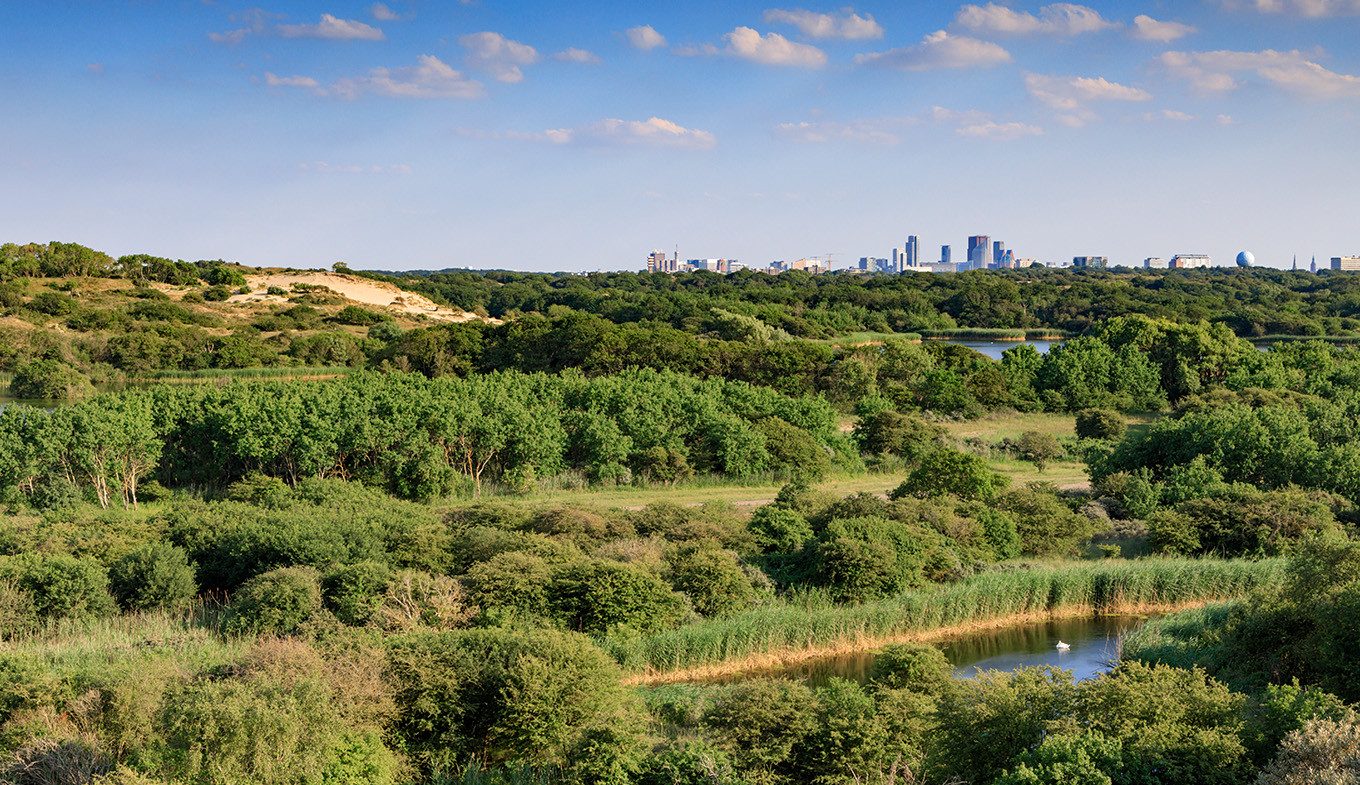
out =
column 408, row 135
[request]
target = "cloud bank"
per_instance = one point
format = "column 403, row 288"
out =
column 939, row 50
column 849, row 26
column 1056, row 19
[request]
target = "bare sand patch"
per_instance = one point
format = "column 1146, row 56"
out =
column 359, row 290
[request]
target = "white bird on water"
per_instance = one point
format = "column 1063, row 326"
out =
column 1062, row 645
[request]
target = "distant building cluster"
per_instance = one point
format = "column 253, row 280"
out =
column 984, row 253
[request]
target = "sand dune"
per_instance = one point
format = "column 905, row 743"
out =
column 360, row 290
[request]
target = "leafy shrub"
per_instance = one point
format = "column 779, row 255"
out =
column 276, row 602
column 502, row 694
column 779, row 530
column 353, row 314
column 216, row 294
column 761, row 721
column 273, row 718
column 354, row 592
column 512, row 580
column 60, row 586
column 1104, row 424
column 712, row 579
column 52, row 304
column 49, row 379
column 276, row 291
column 915, row 666
column 953, row 472
column 156, row 575
column 591, row 596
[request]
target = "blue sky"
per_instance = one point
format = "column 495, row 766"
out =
column 568, row 136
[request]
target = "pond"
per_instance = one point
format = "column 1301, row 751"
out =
column 993, row 349
column 1094, row 642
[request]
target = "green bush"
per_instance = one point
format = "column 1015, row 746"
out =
column 52, row 304
column 916, row 666
column 1104, row 424
column 501, row 694
column 156, row 575
column 49, row 380
column 762, row 721
column 952, row 472
column 712, row 579
column 592, row 596
column 779, row 530
column 60, row 586
column 276, row 602
column 354, row 592
column 268, row 722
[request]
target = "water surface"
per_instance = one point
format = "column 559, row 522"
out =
column 1094, row 642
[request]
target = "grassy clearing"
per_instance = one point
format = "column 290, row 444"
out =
column 863, row 338
column 793, row 631
column 129, row 642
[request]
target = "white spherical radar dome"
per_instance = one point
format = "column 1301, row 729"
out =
column 1245, row 259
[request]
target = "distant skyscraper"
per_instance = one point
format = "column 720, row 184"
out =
column 913, row 251
column 979, row 252
column 998, row 250
column 945, row 254
column 897, row 260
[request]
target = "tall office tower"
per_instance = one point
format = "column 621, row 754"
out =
column 864, row 263
column 945, row 254
column 998, row 250
column 913, row 251
column 979, row 252
column 656, row 262
column 897, row 260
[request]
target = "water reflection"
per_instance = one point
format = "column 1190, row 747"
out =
column 993, row 349
column 1094, row 642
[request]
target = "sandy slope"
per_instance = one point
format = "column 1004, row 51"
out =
column 360, row 290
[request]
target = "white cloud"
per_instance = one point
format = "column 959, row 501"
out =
column 1225, row 119
column 849, row 26
column 290, row 81
column 333, row 29
column 863, row 131
column 574, row 55
column 994, row 130
column 696, row 50
column 772, row 49
column 382, row 13
column 1307, row 8
column 939, row 50
column 1149, row 29
column 1055, row 19
column 611, row 133
column 231, row 37
column 429, row 78
column 322, row 166
column 1292, row 71
column 1169, row 114
column 498, row 55
column 1070, row 92
column 644, row 37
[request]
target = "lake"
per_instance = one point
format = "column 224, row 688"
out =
column 1094, row 644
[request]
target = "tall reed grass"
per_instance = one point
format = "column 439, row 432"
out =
column 1184, row 639
column 272, row 372
column 812, row 623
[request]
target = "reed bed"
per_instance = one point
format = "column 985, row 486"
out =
column 271, row 372
column 1184, row 639
column 976, row 334
column 778, row 633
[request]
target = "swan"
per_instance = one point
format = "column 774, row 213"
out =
column 1062, row 645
